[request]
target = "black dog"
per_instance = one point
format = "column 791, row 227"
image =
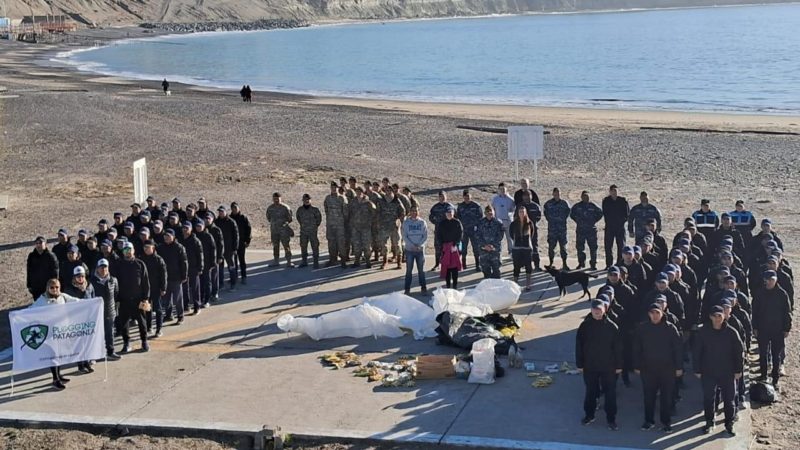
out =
column 566, row 278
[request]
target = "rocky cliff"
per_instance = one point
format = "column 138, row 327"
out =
column 122, row 12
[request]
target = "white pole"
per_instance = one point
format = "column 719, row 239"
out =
column 535, row 172
column 106, row 364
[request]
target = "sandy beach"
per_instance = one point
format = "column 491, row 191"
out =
column 68, row 139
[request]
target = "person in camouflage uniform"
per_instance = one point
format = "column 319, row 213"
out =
column 309, row 218
column 390, row 215
column 556, row 211
column 279, row 217
column 335, row 206
column 407, row 206
column 469, row 213
column 436, row 216
column 362, row 213
column 371, row 191
column 586, row 214
column 348, row 190
column 489, row 234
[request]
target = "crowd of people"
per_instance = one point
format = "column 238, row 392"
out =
column 710, row 292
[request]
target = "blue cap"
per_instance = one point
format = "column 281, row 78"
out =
column 107, row 242
column 187, row 224
column 637, row 249
column 450, row 208
column 772, row 244
column 199, row 222
column 628, row 249
column 662, row 277
column 604, row 298
column 145, row 213
column 769, row 274
column 82, row 232
column 102, row 222
column 726, row 302
column 766, row 221
column 772, row 258
column 685, row 241
column 675, row 253
column 729, row 278
column 716, row 309
column 598, row 304
column 654, row 307
column 669, row 268
column 129, row 225
column 660, row 298
column 613, row 270
column 728, row 293
column 63, row 231
column 117, row 214
column 72, row 249
column 170, row 232
column 102, row 263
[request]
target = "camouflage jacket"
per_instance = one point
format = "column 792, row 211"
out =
column 438, row 211
column 278, row 216
column 361, row 213
column 335, row 209
column 389, row 212
column 469, row 214
column 586, row 215
column 557, row 212
column 309, row 219
column 490, row 232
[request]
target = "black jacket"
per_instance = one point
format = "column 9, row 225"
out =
column 598, row 346
column 175, row 260
column 219, row 241
column 109, row 290
column 210, row 254
column 520, row 192
column 134, row 282
column 77, row 293
column 41, row 267
column 66, row 270
column 157, row 271
column 637, row 276
column 449, row 231
column 772, row 312
column 90, row 258
column 674, row 302
column 718, row 353
column 615, row 212
column 60, row 250
column 245, row 229
column 230, row 233
column 194, row 254
column 657, row 347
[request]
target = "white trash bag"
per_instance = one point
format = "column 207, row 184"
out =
column 356, row 322
column 494, row 293
column 413, row 314
column 454, row 301
column 482, row 361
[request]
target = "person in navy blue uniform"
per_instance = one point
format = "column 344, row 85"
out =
column 706, row 220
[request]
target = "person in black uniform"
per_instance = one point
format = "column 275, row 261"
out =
column 42, row 267
column 615, row 214
column 210, row 256
column 718, row 361
column 245, row 231
column 177, row 263
column 658, row 358
column 772, row 321
column 525, row 185
column 230, row 235
column 134, row 288
column 598, row 355
column 219, row 242
column 194, row 254
column 157, row 271
column 60, row 249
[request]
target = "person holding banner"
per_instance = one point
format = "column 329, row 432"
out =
column 53, row 296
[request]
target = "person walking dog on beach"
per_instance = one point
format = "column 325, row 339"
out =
column 165, row 85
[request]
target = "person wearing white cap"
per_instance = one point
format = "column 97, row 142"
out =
column 107, row 287
column 82, row 289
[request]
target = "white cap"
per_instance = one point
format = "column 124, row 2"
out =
column 78, row 270
column 102, row 263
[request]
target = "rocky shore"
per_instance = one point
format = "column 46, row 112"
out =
column 197, row 27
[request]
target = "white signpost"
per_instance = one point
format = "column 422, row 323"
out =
column 526, row 143
column 139, row 180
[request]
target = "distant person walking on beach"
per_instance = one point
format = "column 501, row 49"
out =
column 243, row 93
column 165, row 85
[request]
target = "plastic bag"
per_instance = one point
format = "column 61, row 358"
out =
column 413, row 314
column 495, row 293
column 356, row 322
column 482, row 362
column 453, row 301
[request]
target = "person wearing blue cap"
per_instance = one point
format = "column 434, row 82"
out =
column 637, row 219
column 727, row 232
column 743, row 220
column 658, row 359
column 102, row 231
column 177, row 264
column 176, row 208
column 598, row 355
column 119, row 223
column 61, row 247
column 157, row 271
column 637, row 275
column 107, row 252
column 134, row 296
column 659, row 243
column 219, row 242
column 66, row 269
column 586, row 214
column 624, row 296
column 436, row 216
column 136, row 210
column 196, row 264
column 784, row 280
column 767, row 231
column 615, row 215
column 106, row 286
column 674, row 301
column 42, row 265
column 772, row 321
column 718, row 360
column 210, row 257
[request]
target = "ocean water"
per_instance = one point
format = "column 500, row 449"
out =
column 734, row 59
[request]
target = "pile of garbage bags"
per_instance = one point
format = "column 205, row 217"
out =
column 392, row 314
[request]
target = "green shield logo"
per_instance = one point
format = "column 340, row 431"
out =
column 33, row 336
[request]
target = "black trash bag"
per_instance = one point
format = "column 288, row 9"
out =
column 461, row 330
column 762, row 393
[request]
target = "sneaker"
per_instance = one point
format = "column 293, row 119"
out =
column 587, row 420
column 125, row 348
column 159, row 333
column 58, row 385
column 179, row 321
column 113, row 357
column 647, row 426
column 206, row 305
column 196, row 312
column 708, row 428
column 613, row 426
column 407, row 292
column 145, row 347
column 290, row 265
column 593, row 267
column 64, row 380
column 88, row 368
column 434, row 268
column 729, row 430
column 782, row 371
column 667, row 429
column 424, row 290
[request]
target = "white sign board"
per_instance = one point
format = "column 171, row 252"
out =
column 58, row 334
column 139, row 180
column 525, row 142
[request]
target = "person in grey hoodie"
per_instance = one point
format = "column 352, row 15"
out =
column 415, row 235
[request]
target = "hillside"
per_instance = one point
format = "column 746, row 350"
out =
column 121, row 12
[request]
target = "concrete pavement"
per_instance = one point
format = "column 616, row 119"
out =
column 232, row 365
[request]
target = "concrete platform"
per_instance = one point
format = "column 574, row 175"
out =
column 232, row 365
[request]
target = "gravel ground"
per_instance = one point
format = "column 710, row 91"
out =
column 68, row 140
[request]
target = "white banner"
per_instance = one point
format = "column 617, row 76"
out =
column 525, row 142
column 55, row 335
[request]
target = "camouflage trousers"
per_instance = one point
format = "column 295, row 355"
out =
column 386, row 235
column 490, row 264
column 337, row 247
column 556, row 237
column 362, row 240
